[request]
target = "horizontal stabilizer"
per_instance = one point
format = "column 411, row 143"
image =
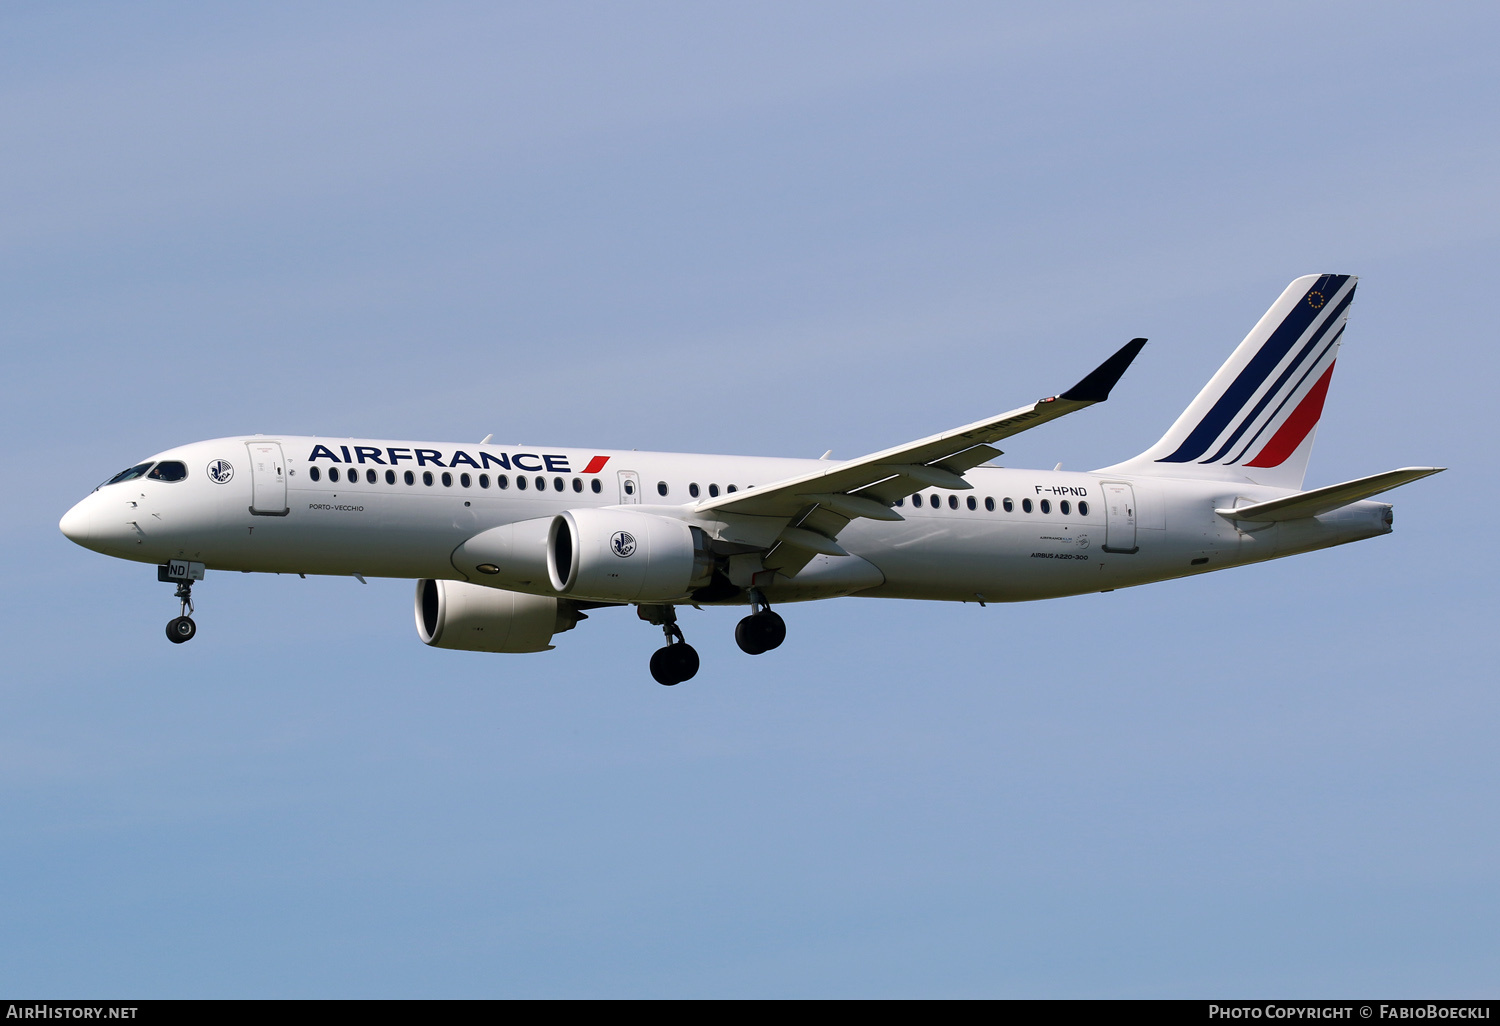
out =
column 1321, row 500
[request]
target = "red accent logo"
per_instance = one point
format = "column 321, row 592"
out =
column 1296, row 427
column 595, row 465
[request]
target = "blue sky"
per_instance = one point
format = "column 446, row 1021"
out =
column 782, row 230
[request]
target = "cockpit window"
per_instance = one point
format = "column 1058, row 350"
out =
column 128, row 475
column 168, row 470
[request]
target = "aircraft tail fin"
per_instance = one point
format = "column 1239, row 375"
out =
column 1256, row 418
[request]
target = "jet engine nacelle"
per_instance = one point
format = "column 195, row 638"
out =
column 616, row 555
column 453, row 614
column 513, row 556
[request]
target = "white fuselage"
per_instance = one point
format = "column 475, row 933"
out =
column 1144, row 529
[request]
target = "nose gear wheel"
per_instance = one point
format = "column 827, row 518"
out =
column 180, row 629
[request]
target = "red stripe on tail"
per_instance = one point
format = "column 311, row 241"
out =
column 1303, row 419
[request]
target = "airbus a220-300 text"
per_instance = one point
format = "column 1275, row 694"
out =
column 510, row 546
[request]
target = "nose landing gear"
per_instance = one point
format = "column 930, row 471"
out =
column 676, row 661
column 181, row 627
column 762, row 630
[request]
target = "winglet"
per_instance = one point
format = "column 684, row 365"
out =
column 1095, row 388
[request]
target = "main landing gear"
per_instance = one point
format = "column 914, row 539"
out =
column 762, row 630
column 676, row 661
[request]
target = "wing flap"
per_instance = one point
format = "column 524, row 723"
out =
column 968, row 459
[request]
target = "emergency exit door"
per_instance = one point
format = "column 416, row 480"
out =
column 267, row 480
column 630, row 487
column 1119, row 518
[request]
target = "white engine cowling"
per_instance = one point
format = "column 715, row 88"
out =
column 616, row 555
column 512, row 556
column 453, row 614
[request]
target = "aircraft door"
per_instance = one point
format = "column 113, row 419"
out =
column 1119, row 518
column 267, row 480
column 630, row 486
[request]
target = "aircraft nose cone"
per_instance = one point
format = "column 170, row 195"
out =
column 77, row 523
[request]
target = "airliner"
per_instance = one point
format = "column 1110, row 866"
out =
column 512, row 545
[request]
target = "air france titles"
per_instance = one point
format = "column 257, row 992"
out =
column 549, row 463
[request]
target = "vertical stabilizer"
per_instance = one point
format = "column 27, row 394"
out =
column 1256, row 418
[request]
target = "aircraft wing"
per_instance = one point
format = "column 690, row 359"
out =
column 818, row 505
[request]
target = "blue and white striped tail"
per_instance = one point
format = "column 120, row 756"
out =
column 1256, row 418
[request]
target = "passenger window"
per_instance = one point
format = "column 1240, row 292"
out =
column 520, row 482
column 731, row 488
column 1025, row 505
column 1064, row 508
column 1046, row 506
column 693, row 489
column 972, row 503
column 541, row 483
column 370, row 476
column 901, row 502
column 129, row 474
column 464, row 480
column 596, row 486
column 713, row 491
column 409, row 478
column 935, row 501
column 314, row 473
column 333, row 473
column 484, row 480
column 629, row 487
column 168, row 470
column 953, row 502
column 503, row 482
column 390, row 477
column 559, row 484
column 1010, row 507
column 427, row 478
column 1083, row 508
column 447, row 480
column 578, row 484
column 661, row 488
column 989, row 503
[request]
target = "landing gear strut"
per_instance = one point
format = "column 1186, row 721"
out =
column 677, row 661
column 762, row 630
column 182, row 628
column 182, row 573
